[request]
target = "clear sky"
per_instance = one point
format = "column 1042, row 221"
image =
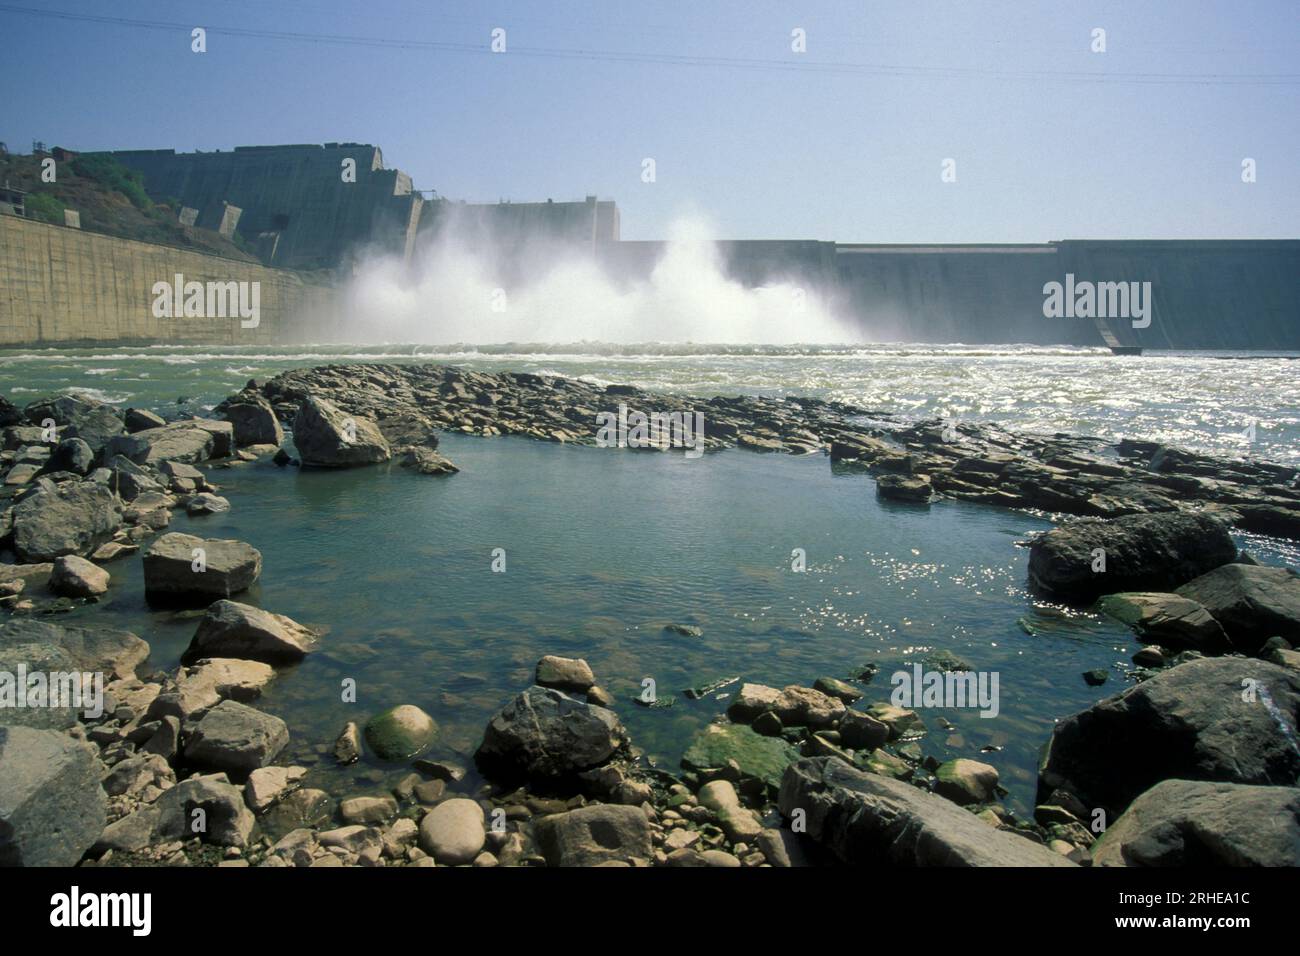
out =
column 844, row 141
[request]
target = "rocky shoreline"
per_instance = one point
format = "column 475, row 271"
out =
column 1182, row 768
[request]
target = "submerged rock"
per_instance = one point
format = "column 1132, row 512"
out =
column 400, row 732
column 868, row 819
column 1187, row 823
column 1141, row 552
column 1226, row 719
column 1173, row 620
column 427, row 461
column 544, row 735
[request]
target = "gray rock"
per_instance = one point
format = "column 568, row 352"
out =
column 426, row 461
column 76, row 577
column 545, row 735
column 52, row 807
column 71, row 454
column 914, row 489
column 236, row 738
column 327, row 437
column 1252, row 603
column 208, row 682
column 72, row 519
column 93, row 422
column 1187, row 823
column 452, row 832
column 108, row 650
column 139, row 419
column 186, row 441
column 738, row 822
column 862, row 731
column 593, row 835
column 231, row 629
column 253, row 420
column 1226, row 719
column 1144, row 552
column 1171, row 619
column 205, row 503
column 207, row 807
column 266, row 785
column 173, row 572
column 865, row 818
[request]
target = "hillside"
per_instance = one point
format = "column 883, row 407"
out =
column 111, row 200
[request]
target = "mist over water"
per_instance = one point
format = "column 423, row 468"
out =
column 465, row 287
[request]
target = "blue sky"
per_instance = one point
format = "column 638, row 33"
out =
column 843, row 142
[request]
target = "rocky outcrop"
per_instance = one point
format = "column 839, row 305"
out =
column 867, row 819
column 1228, row 720
column 1140, row 552
column 231, row 629
column 1188, row 823
column 70, row 519
column 52, row 807
column 548, row 737
column 189, row 441
column 1252, row 603
column 329, row 438
column 180, row 568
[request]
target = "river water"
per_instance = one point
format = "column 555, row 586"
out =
column 604, row 547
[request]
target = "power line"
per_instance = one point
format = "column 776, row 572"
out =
column 671, row 59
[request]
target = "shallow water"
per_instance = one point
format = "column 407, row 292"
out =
column 604, row 547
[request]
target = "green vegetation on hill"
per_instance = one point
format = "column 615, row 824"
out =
column 111, row 199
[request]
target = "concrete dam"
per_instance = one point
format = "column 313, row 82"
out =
column 314, row 210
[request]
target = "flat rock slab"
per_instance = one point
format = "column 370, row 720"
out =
column 591, row 836
column 867, row 819
column 181, row 568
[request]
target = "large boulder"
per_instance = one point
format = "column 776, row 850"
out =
column 1144, row 552
column 1225, row 719
column 452, row 832
column 253, row 420
column 231, row 629
column 180, row 568
column 73, row 455
column 1195, row 823
column 546, row 736
column 187, row 441
column 71, row 519
column 1252, row 603
column 93, row 422
column 76, row 577
column 1167, row 619
column 327, row 437
column 400, row 732
column 236, row 738
column 868, row 819
column 593, row 835
column 106, row 650
column 52, row 807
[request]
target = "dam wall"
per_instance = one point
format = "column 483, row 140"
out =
column 63, row 286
